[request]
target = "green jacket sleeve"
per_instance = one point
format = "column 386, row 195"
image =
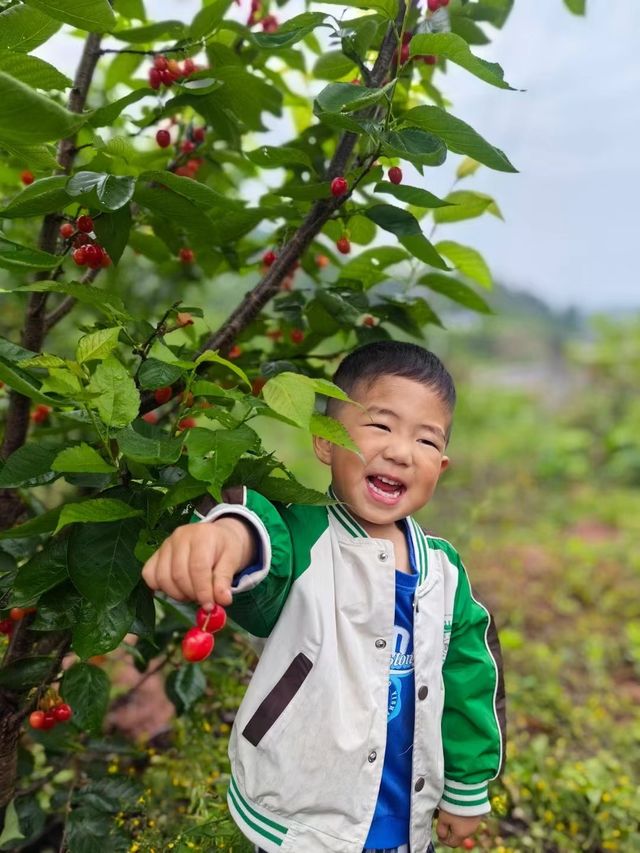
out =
column 473, row 722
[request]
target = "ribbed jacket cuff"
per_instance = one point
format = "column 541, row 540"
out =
column 465, row 800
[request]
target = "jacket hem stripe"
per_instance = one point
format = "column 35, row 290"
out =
column 242, row 818
column 278, row 827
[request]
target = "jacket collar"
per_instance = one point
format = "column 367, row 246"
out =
column 354, row 529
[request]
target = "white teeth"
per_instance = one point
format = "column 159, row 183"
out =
column 387, row 480
column 383, row 493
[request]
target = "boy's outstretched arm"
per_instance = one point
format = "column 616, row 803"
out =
column 197, row 562
column 452, row 829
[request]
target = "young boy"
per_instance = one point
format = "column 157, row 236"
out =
column 378, row 696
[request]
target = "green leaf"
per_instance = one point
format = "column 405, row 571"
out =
column 107, row 303
column 58, row 607
column 200, row 194
column 110, row 192
column 290, row 32
column 387, row 8
column 288, row 491
column 213, row 454
column 34, row 156
column 271, row 157
column 331, row 429
column 184, row 686
column 368, row 267
column 112, row 231
column 466, row 168
column 209, row 355
column 468, row 30
column 21, row 675
column 81, row 459
column 458, row 136
column 23, row 382
column 23, row 29
column 407, row 228
column 11, row 828
column 86, row 689
column 466, row 260
column 154, row 374
column 45, row 570
column 29, row 465
column 332, row 65
column 466, row 204
column 99, row 631
column 109, row 794
column 107, row 115
column 97, row 510
column 26, row 116
column 42, row 196
column 208, row 19
column 33, row 71
column 43, row 523
column 15, row 256
column 288, row 394
column 102, row 563
column 453, row 47
column 417, row 146
column 97, row 345
column 456, row 290
column 173, row 30
column 94, row 16
column 346, row 98
column 578, row 7
column 118, row 402
column 159, row 449
column 411, row 195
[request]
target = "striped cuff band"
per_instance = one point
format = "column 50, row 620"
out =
column 465, row 800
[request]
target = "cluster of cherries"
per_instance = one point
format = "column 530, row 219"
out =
column 198, row 642
column 86, row 252
column 269, row 23
column 165, row 72
column 15, row 615
column 51, row 711
column 41, row 413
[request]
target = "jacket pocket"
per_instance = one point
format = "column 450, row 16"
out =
column 277, row 699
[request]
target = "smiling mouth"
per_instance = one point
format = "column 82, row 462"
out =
column 386, row 487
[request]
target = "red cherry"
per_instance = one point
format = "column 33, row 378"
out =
column 343, row 246
column 184, row 172
column 194, row 165
column 275, row 334
column 187, row 256
column 405, row 53
column 467, row 843
column 297, row 336
column 160, row 62
column 197, row 645
column 429, row 59
column 269, row 258
column 322, row 261
column 199, row 133
column 270, row 24
column 62, row 712
column 167, row 77
column 234, row 352
column 434, row 5
column 187, row 146
column 40, row 414
column 93, row 256
column 84, row 224
column 339, row 186
column 395, row 175
column 188, row 67
column 368, row 320
column 187, row 423
column 213, row 621
column 163, row 138
column 80, row 256
column 183, row 318
column 48, row 720
column 18, row 613
column 7, row 626
column 27, row 177
column 163, row 395
column 174, row 69
column 67, row 230
column 105, row 260
column 81, row 240
column 444, row 2
column 150, row 417
column 155, row 78
column 36, row 720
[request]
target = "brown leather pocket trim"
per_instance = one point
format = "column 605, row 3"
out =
column 277, row 699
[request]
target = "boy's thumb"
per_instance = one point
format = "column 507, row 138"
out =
column 443, row 829
column 222, row 578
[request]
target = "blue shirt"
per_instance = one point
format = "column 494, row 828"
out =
column 390, row 824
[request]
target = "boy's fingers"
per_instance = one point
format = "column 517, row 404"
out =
column 222, row 578
column 201, row 559
column 164, row 575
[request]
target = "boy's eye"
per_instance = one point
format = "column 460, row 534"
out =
column 379, row 426
column 429, row 442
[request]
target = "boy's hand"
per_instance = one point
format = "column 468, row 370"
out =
column 197, row 562
column 452, row 829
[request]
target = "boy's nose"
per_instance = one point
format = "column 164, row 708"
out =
column 398, row 451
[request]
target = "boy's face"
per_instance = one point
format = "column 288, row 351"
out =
column 401, row 436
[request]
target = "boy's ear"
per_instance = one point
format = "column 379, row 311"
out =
column 322, row 449
column 444, row 464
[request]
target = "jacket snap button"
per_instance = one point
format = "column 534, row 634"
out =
column 380, row 644
column 383, row 556
column 419, row 785
column 372, row 756
column 423, row 692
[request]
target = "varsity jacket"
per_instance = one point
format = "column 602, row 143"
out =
column 307, row 746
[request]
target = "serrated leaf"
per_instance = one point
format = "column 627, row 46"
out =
column 110, row 192
column 45, row 570
column 467, row 167
column 209, row 355
column 289, row 491
column 97, row 631
column 98, row 510
column 33, row 71
column 387, row 8
column 453, row 47
column 272, row 157
column 15, row 256
column 333, row 431
column 154, row 373
column 23, row 382
column 289, row 395
column 97, row 345
column 200, row 194
column 107, row 115
column 346, row 98
column 20, row 675
column 42, row 196
column 407, row 228
column 94, row 16
column 174, row 30
column 26, row 116
column 466, row 260
column 208, row 19
column 456, row 290
column 332, row 65
column 184, row 686
column 411, row 195
column 290, row 32
column 23, row 29
column 86, row 688
column 108, row 303
column 466, row 204
column 29, row 465
column 416, row 145
column 118, row 402
column 81, row 459
column 213, row 454
column 458, row 136
column 150, row 450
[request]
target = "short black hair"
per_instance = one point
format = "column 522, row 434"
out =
column 394, row 358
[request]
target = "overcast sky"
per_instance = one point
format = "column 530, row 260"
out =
column 572, row 222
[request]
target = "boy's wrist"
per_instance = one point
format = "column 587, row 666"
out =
column 240, row 534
